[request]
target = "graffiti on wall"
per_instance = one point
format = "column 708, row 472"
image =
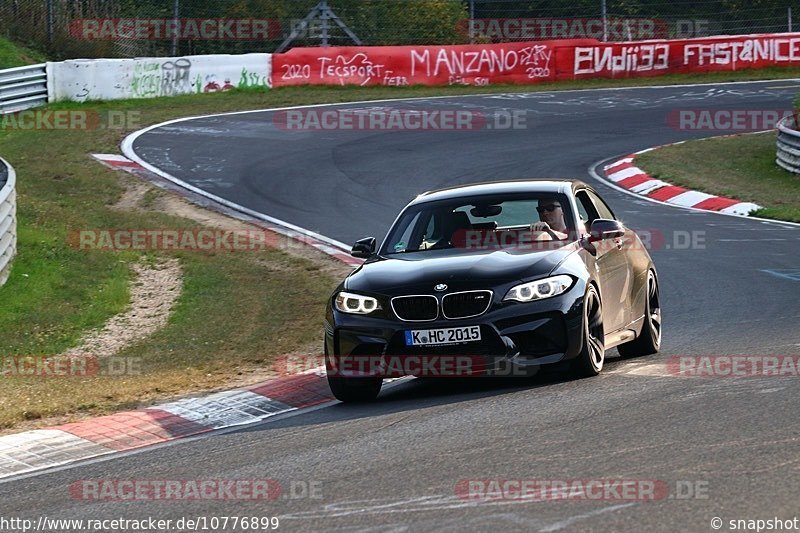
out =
column 146, row 79
column 170, row 77
column 161, row 78
column 175, row 77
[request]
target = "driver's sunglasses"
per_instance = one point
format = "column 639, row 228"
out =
column 547, row 208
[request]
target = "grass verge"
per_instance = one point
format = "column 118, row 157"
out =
column 741, row 167
column 14, row 55
column 232, row 318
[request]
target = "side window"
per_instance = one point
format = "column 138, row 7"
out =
column 586, row 210
column 602, row 208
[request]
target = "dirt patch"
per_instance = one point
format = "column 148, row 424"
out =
column 174, row 204
column 132, row 198
column 156, row 287
column 140, row 195
column 154, row 290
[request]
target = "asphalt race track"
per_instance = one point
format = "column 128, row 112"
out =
column 394, row 465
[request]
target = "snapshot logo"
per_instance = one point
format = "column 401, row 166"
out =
column 608, row 489
column 531, row 29
column 191, row 29
column 733, row 120
column 87, row 120
column 68, row 366
column 734, row 366
column 758, row 524
column 391, row 119
column 193, row 489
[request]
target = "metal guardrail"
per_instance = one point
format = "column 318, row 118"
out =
column 787, row 153
column 8, row 218
column 22, row 88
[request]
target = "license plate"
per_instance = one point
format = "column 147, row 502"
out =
column 434, row 337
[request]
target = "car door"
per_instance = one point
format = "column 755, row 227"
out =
column 628, row 287
column 613, row 272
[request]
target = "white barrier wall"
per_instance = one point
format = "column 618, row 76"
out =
column 80, row 80
column 8, row 219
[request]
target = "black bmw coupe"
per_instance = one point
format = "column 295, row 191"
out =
column 492, row 279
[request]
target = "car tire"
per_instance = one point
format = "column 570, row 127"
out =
column 589, row 361
column 649, row 340
column 355, row 390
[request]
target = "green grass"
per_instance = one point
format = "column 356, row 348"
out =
column 741, row 167
column 14, row 55
column 56, row 293
column 237, row 311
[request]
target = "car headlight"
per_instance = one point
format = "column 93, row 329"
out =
column 539, row 289
column 358, row 304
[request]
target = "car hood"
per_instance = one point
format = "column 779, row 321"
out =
column 383, row 274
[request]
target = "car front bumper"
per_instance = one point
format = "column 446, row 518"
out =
column 515, row 339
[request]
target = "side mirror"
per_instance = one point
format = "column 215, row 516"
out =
column 603, row 229
column 363, row 248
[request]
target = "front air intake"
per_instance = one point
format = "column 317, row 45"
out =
column 416, row 308
column 466, row 304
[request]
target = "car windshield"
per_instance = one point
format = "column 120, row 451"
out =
column 485, row 222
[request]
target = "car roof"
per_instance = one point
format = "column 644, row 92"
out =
column 501, row 187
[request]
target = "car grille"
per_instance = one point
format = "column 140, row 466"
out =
column 416, row 308
column 466, row 304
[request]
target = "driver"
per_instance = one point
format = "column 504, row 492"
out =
column 551, row 218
